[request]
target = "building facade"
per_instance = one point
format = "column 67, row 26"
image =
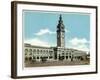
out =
column 37, row 53
column 59, row 53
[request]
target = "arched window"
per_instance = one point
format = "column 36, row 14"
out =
column 50, row 52
column 41, row 51
column 26, row 51
column 37, row 57
column 69, row 53
column 44, row 51
column 66, row 53
column 30, row 58
column 26, row 58
column 63, row 53
column 30, row 51
column 69, row 56
column 66, row 57
column 38, row 51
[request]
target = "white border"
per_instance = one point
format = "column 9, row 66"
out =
column 55, row 69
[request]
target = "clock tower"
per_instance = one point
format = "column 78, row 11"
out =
column 60, row 33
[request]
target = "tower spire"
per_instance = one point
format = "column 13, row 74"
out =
column 60, row 19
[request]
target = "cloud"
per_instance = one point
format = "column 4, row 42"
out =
column 79, row 43
column 44, row 31
column 76, row 41
column 82, row 47
column 37, row 42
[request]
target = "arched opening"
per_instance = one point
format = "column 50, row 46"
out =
column 30, row 58
column 61, row 58
column 26, row 59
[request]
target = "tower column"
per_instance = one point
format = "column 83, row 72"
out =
column 60, row 33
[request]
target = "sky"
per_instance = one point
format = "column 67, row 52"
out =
column 39, row 28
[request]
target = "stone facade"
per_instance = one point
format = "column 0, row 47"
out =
column 38, row 53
